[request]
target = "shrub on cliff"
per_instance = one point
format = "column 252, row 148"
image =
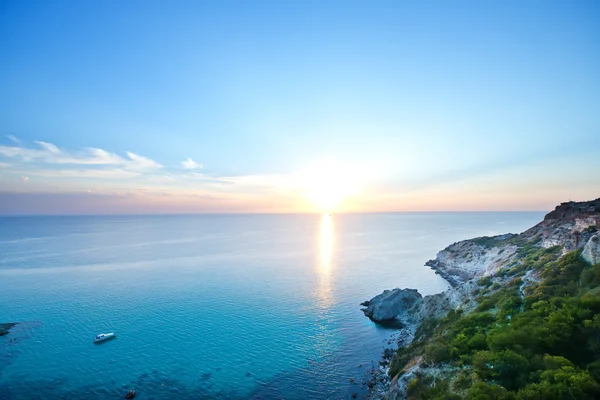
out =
column 436, row 353
column 485, row 391
column 544, row 347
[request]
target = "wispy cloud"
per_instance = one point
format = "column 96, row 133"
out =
column 140, row 163
column 44, row 170
column 191, row 164
column 52, row 154
column 14, row 139
column 110, row 174
column 49, row 147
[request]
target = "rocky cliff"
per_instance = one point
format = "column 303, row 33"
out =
column 391, row 306
column 571, row 226
column 591, row 250
column 468, row 259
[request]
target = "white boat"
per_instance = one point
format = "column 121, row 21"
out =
column 104, row 336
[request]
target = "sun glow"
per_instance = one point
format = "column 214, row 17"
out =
column 327, row 185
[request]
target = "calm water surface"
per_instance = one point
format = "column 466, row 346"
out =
column 212, row 306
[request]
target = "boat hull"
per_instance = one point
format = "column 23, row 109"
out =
column 104, row 338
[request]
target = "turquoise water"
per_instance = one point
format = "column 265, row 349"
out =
column 211, row 306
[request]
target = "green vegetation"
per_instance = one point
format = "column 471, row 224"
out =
column 486, row 241
column 542, row 344
column 494, row 241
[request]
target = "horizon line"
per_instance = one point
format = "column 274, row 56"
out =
column 268, row 213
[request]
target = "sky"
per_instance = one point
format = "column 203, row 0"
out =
column 298, row 106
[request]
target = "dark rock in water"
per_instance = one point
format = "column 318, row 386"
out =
column 130, row 395
column 354, row 395
column 4, row 328
column 390, row 306
column 388, row 353
column 365, row 303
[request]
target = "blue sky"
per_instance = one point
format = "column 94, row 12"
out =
column 390, row 106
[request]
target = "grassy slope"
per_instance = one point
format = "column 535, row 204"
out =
column 537, row 342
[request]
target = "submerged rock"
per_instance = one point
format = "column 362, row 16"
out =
column 205, row 376
column 5, row 328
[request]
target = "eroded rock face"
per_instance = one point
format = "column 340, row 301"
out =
column 468, row 259
column 591, row 250
column 392, row 305
column 571, row 226
column 438, row 305
column 573, row 209
column 408, row 308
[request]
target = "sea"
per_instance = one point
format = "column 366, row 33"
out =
column 211, row 306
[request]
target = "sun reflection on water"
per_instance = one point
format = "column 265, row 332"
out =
column 325, row 261
column 325, row 245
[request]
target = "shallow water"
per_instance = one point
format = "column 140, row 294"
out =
column 210, row 306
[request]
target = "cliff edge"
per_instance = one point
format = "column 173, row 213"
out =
column 485, row 265
column 571, row 225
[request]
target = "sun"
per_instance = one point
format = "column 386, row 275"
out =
column 325, row 198
column 327, row 184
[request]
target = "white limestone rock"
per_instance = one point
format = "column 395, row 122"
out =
column 591, row 250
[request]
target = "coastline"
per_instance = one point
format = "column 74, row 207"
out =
column 470, row 266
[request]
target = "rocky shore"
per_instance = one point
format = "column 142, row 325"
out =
column 572, row 226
